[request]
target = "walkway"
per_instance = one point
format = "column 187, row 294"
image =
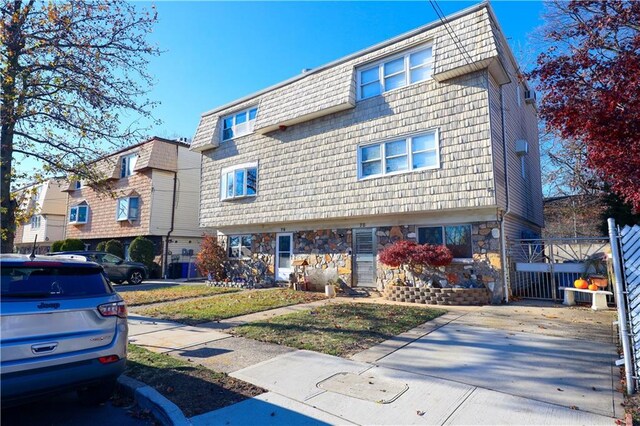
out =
column 514, row 364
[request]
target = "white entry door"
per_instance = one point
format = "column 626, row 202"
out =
column 284, row 253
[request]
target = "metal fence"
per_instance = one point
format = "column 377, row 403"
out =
column 625, row 246
column 539, row 267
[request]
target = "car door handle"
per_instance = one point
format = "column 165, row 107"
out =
column 44, row 348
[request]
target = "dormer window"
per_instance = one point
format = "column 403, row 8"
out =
column 239, row 124
column 395, row 71
column 77, row 184
column 127, row 164
column 35, row 221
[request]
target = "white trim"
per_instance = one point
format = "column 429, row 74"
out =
column 229, row 247
column 248, row 123
column 408, row 139
column 128, row 160
column 406, row 71
column 77, row 209
column 232, row 170
column 277, row 257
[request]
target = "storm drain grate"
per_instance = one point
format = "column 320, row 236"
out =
column 366, row 387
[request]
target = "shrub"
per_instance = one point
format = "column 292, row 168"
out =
column 57, row 246
column 102, row 245
column 142, row 250
column 115, row 247
column 211, row 258
column 415, row 257
column 71, row 244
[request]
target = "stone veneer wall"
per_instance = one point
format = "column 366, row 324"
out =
column 438, row 296
column 325, row 249
column 485, row 268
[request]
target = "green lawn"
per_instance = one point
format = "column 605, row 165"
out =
column 229, row 305
column 193, row 388
column 341, row 329
column 168, row 294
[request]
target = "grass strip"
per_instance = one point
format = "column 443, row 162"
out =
column 193, row 388
column 157, row 295
column 340, row 329
column 229, row 305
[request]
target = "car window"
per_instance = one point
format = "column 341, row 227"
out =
column 60, row 282
column 110, row 258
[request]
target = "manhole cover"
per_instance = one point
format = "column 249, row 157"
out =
column 364, row 387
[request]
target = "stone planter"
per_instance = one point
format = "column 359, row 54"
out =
column 439, row 296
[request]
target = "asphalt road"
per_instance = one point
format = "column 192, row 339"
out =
column 65, row 409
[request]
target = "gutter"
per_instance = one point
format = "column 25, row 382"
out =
column 173, row 215
column 506, row 190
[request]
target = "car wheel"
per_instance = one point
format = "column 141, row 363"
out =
column 116, row 281
column 97, row 394
column 135, row 277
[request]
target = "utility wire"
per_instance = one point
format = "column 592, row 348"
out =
column 467, row 58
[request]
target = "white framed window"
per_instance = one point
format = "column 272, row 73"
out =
column 79, row 214
column 395, row 71
column 239, row 181
column 457, row 238
column 417, row 152
column 77, row 184
column 35, row 221
column 127, row 208
column 239, row 124
column 127, row 164
column 240, row 246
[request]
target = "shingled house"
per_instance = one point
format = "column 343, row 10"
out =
column 430, row 136
column 153, row 193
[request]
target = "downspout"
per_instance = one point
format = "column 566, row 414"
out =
column 508, row 211
column 173, row 215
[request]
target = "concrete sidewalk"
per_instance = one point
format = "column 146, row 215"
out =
column 490, row 365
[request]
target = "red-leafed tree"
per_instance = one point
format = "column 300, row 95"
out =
column 211, row 259
column 417, row 258
column 589, row 75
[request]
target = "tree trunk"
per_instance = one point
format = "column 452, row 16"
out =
column 8, row 203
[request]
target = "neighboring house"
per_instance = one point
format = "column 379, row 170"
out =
column 571, row 216
column 43, row 206
column 154, row 192
column 422, row 137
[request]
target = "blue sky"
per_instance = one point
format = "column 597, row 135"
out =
column 216, row 52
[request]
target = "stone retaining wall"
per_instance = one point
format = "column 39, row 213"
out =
column 438, row 296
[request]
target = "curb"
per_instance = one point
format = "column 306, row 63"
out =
column 165, row 411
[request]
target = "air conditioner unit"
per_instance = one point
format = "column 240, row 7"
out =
column 522, row 147
column 529, row 96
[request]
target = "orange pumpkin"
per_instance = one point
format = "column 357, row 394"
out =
column 593, row 287
column 581, row 283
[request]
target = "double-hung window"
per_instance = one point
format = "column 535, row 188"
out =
column 397, row 71
column 127, row 164
column 78, row 214
column 416, row 152
column 457, row 238
column 35, row 221
column 239, row 124
column 240, row 246
column 239, row 181
column 127, row 208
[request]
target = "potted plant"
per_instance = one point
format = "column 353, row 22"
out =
column 595, row 269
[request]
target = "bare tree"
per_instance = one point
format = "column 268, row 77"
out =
column 71, row 72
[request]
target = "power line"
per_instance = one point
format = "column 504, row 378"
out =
column 434, row 4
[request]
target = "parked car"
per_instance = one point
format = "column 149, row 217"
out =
column 118, row 270
column 62, row 327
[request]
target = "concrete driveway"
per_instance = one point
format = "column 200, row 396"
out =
column 526, row 367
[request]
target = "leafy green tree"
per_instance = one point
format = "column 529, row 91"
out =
column 72, row 244
column 102, row 245
column 142, row 250
column 115, row 247
column 70, row 71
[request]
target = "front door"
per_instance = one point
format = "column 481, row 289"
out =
column 364, row 257
column 284, row 252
